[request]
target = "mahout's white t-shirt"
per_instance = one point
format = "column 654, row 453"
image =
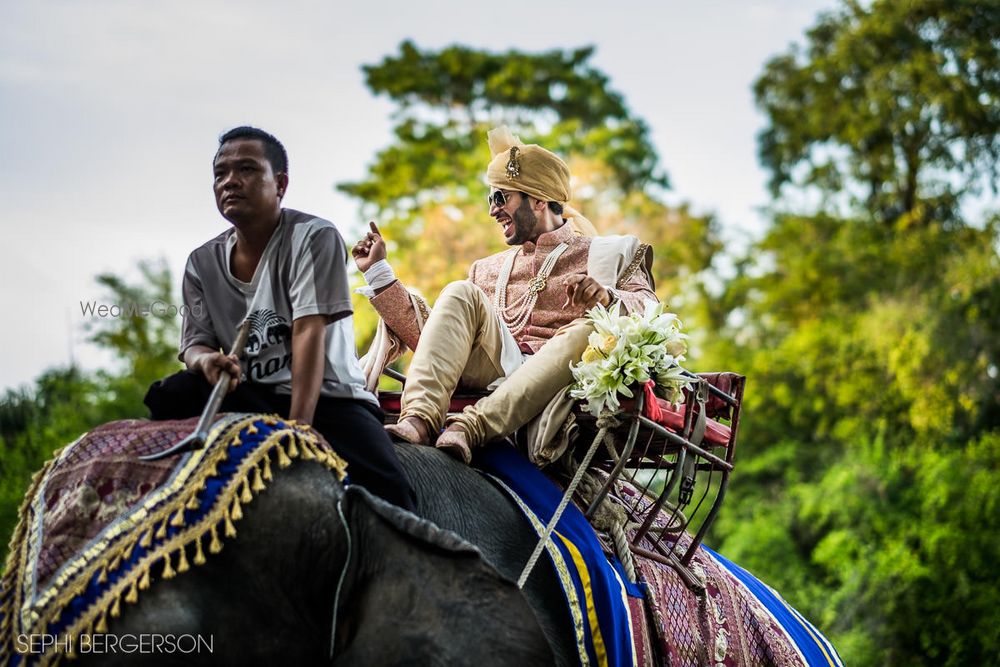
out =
column 302, row 272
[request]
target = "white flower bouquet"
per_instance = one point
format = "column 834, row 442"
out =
column 626, row 350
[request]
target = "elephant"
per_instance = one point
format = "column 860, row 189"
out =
column 407, row 590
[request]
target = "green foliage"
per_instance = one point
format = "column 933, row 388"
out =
column 866, row 481
column 894, row 103
column 144, row 344
column 33, row 424
column 449, row 98
column 64, row 403
column 903, row 534
column 866, row 485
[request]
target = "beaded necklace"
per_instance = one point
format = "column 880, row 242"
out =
column 516, row 315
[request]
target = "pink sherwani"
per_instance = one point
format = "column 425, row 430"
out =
column 633, row 288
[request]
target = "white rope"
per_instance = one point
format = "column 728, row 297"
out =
column 567, row 496
column 609, row 518
column 620, row 541
column 343, row 575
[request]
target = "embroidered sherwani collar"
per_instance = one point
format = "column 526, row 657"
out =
column 551, row 239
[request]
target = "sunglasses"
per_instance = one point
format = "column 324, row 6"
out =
column 498, row 198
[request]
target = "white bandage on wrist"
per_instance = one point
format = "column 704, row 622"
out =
column 378, row 275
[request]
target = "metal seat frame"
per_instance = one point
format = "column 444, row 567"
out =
column 687, row 466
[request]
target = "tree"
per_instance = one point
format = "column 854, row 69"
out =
column 144, row 338
column 896, row 104
column 426, row 189
column 865, row 488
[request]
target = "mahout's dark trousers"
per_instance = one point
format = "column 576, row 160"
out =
column 352, row 427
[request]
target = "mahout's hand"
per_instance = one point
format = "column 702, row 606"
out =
column 211, row 364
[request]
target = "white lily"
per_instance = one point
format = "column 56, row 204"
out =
column 630, row 349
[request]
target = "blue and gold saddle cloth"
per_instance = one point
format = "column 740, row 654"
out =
column 98, row 524
column 596, row 589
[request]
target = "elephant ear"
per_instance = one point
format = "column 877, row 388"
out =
column 424, row 595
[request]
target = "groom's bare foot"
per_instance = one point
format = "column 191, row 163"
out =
column 410, row 429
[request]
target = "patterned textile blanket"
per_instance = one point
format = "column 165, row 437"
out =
column 738, row 621
column 98, row 525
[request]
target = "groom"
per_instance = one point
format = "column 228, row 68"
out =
column 519, row 319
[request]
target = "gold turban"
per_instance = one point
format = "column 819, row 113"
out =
column 531, row 169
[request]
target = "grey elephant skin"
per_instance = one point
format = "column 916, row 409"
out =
column 412, row 594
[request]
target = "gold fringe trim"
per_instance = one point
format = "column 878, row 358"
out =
column 168, row 571
column 308, row 453
column 17, row 554
column 128, row 551
column 182, row 560
column 258, row 483
column 230, row 528
column 199, row 555
column 293, row 441
column 283, row 460
column 133, row 593
column 216, row 546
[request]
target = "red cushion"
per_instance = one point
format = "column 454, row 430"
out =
column 715, row 432
column 391, row 401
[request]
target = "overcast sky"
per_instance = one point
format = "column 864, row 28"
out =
column 110, row 113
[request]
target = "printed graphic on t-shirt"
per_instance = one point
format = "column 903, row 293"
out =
column 268, row 347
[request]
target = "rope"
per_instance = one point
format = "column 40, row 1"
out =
column 343, row 575
column 620, row 540
column 612, row 519
column 609, row 444
column 605, row 422
column 609, row 517
column 677, row 523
